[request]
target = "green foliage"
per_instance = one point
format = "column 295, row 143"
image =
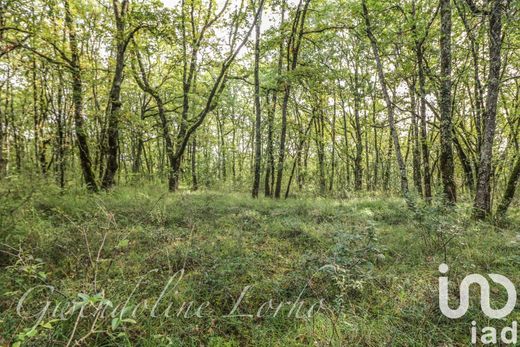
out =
column 372, row 261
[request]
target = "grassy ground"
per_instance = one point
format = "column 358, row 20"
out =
column 373, row 263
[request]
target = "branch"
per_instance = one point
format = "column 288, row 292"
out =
column 218, row 86
column 334, row 27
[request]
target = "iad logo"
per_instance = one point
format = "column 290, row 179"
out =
column 484, row 295
column 489, row 334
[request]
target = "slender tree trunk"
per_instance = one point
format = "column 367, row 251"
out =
column 293, row 48
column 482, row 205
column 446, row 153
column 390, row 109
column 386, row 165
column 270, row 167
column 4, row 125
column 269, row 170
column 375, row 181
column 358, row 167
column 60, row 124
column 416, row 151
column 115, row 97
column 194, row 180
column 345, row 139
column 36, row 132
column 258, row 112
column 466, row 164
column 509, row 193
column 77, row 97
column 281, row 152
column 298, row 154
column 137, row 162
column 419, row 56
column 333, row 141
column 319, row 126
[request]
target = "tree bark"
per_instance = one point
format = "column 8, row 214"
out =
column 390, row 109
column 77, row 98
column 194, row 180
column 293, row 48
column 333, row 141
column 482, row 205
column 258, row 111
column 509, row 193
column 446, row 153
column 358, row 168
column 270, row 167
column 416, row 150
column 466, row 164
column 419, row 55
column 115, row 97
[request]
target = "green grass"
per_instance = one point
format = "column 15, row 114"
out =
column 381, row 290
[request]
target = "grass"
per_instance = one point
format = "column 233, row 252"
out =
column 379, row 288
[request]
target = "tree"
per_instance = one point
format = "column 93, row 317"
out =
column 77, row 96
column 122, row 39
column 293, row 49
column 509, row 193
column 446, row 156
column 482, row 205
column 258, row 111
column 390, row 107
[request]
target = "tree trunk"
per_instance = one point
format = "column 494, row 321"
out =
column 319, row 126
column 416, row 150
column 358, row 168
column 4, row 126
column 142, row 81
column 466, row 164
column 390, row 109
column 298, row 154
column 115, row 97
column 60, row 141
column 419, row 56
column 77, row 98
column 333, row 141
column 194, row 181
column 510, row 189
column 446, row 153
column 293, row 48
column 281, row 151
column 482, row 205
column 269, row 168
column 258, row 114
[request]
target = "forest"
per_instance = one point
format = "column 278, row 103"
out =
column 256, row 172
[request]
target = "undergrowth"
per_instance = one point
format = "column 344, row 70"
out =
column 359, row 271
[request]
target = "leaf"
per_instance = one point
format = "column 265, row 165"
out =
column 122, row 244
column 31, row 333
column 47, row 325
column 115, row 323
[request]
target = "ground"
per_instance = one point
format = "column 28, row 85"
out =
column 371, row 261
